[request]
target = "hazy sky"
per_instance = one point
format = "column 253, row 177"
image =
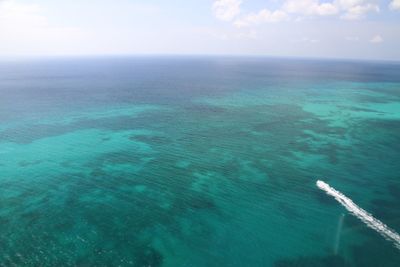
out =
column 364, row 29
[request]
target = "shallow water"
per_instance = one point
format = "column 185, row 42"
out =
column 197, row 161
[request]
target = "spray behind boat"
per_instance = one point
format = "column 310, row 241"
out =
column 373, row 223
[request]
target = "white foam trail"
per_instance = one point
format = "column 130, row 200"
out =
column 364, row 216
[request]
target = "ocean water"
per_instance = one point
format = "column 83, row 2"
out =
column 197, row 161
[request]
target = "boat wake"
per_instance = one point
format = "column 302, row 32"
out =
column 363, row 215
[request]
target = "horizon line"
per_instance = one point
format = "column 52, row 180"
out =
column 183, row 55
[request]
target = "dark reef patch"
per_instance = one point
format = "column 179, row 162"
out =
column 30, row 133
column 200, row 201
column 150, row 139
column 204, row 109
column 26, row 163
column 148, row 256
column 375, row 252
column 289, row 211
column 328, row 261
column 394, row 190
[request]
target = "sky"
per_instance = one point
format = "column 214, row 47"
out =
column 356, row 29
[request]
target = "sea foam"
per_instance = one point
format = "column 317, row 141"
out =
column 364, row 216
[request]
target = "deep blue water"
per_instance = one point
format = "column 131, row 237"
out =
column 197, row 161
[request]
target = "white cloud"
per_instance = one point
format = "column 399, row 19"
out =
column 23, row 29
column 346, row 4
column 350, row 9
column 360, row 11
column 395, row 5
column 226, row 10
column 297, row 10
column 310, row 7
column 356, row 9
column 376, row 39
column 263, row 16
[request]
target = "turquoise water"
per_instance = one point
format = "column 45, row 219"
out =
column 197, row 161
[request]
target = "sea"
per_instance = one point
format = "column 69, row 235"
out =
column 197, row 161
